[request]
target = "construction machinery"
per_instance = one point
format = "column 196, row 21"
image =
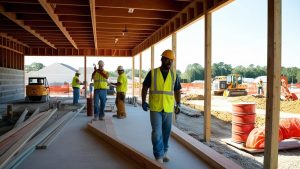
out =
column 230, row 85
column 37, row 90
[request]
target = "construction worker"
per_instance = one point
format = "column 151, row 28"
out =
column 121, row 93
column 260, row 89
column 164, row 85
column 76, row 87
column 100, row 77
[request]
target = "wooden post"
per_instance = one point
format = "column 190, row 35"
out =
column 141, row 71
column 207, row 75
column 273, row 81
column 174, row 47
column 85, row 81
column 133, row 76
column 152, row 57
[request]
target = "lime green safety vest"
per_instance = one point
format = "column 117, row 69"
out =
column 123, row 80
column 74, row 82
column 162, row 92
column 99, row 81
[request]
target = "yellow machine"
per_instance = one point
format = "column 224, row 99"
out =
column 37, row 90
column 230, row 85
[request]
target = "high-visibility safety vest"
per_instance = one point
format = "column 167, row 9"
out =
column 123, row 80
column 99, row 81
column 161, row 95
column 74, row 82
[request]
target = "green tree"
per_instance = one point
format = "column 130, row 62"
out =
column 193, row 72
column 221, row 69
column 35, row 66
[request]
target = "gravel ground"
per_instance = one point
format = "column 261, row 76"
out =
column 288, row 159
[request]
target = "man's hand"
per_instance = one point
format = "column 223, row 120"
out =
column 177, row 108
column 145, row 106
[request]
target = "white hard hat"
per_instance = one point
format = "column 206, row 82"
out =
column 100, row 62
column 120, row 68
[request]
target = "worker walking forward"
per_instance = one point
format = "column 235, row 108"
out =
column 164, row 85
column 121, row 93
column 100, row 77
column 76, row 87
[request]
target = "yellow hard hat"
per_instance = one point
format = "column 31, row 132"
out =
column 168, row 54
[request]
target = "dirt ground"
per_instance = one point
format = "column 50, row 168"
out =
column 221, row 128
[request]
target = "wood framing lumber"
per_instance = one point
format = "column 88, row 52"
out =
column 31, row 145
column 37, row 110
column 54, row 133
column 213, row 158
column 110, row 127
column 21, row 118
column 4, row 159
column 130, row 152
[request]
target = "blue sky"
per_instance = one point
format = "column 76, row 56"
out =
column 239, row 37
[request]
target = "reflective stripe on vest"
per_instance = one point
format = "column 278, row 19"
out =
column 74, row 82
column 161, row 96
column 99, row 81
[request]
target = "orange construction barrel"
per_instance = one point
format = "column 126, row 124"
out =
column 243, row 121
column 89, row 106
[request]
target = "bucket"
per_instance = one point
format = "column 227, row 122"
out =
column 243, row 121
column 89, row 106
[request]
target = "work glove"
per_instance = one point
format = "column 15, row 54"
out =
column 177, row 108
column 145, row 106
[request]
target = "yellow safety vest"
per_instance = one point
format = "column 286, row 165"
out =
column 74, row 82
column 161, row 95
column 99, row 81
column 123, row 80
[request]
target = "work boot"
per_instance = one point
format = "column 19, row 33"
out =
column 101, row 118
column 159, row 160
column 121, row 117
column 115, row 115
column 166, row 158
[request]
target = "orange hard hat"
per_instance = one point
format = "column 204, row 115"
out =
column 168, row 54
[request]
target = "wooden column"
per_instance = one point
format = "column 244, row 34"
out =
column 85, row 81
column 174, row 49
column 152, row 57
column 140, row 77
column 132, row 76
column 273, row 81
column 207, row 76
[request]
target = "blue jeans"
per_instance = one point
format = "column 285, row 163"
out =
column 99, row 95
column 75, row 95
column 161, row 123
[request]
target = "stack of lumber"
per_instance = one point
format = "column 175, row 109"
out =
column 22, row 140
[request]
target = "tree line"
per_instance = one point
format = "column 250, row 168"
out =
column 195, row 71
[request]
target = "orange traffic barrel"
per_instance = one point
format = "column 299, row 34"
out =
column 89, row 106
column 243, row 121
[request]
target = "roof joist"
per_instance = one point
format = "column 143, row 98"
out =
column 93, row 18
column 55, row 19
column 13, row 17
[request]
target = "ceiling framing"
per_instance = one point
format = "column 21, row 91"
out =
column 96, row 27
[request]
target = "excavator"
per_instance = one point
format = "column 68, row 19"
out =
column 229, row 86
column 37, row 90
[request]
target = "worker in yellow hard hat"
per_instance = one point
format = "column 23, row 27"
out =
column 100, row 77
column 164, row 91
column 121, row 93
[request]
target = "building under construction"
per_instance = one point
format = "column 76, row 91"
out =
column 114, row 28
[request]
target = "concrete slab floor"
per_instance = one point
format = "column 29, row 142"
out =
column 135, row 130
column 77, row 148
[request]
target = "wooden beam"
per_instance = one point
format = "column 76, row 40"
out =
column 93, row 18
column 55, row 19
column 13, row 17
column 139, row 158
column 140, row 75
column 273, row 81
column 101, row 19
column 13, row 39
column 158, row 5
column 207, row 75
column 152, row 57
column 174, row 49
column 206, row 153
